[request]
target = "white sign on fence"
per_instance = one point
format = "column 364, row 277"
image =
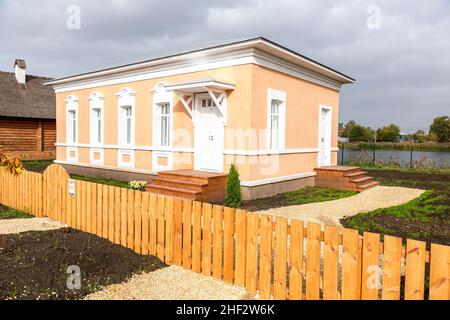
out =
column 71, row 187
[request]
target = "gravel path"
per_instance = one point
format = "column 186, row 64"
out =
column 172, row 283
column 331, row 212
column 10, row 226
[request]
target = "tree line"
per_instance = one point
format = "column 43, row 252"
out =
column 439, row 132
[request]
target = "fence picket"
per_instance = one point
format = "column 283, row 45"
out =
column 117, row 214
column 313, row 262
column 124, row 217
column 251, row 269
column 177, row 231
column 265, row 266
column 415, row 270
column 350, row 253
column 130, row 220
column 160, row 227
column 370, row 267
column 240, row 254
column 439, row 272
column 196, row 236
column 153, row 224
column 280, row 269
column 137, row 221
column 331, row 263
column 168, row 246
column 206, row 239
column 392, row 263
column 187, row 234
column 228, row 245
column 217, row 241
column 145, row 222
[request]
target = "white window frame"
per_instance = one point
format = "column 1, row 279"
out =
column 71, row 106
column 161, row 97
column 96, row 102
column 126, row 98
column 280, row 96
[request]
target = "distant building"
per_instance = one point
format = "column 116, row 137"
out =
column 27, row 115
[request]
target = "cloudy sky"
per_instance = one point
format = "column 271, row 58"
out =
column 399, row 51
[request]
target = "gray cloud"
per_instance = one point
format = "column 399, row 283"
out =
column 402, row 69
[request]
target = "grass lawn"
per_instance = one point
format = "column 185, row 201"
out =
column 426, row 218
column 10, row 213
column 38, row 166
column 301, row 196
column 111, row 182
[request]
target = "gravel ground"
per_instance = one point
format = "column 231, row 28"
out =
column 331, row 212
column 10, row 226
column 172, row 283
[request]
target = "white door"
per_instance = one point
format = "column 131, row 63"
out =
column 209, row 135
column 325, row 130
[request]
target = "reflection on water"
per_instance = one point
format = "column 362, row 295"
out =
column 396, row 157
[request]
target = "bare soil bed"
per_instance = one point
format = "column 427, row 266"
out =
column 33, row 265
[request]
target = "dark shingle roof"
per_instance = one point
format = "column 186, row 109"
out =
column 29, row 100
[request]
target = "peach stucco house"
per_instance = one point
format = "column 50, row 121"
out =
column 268, row 109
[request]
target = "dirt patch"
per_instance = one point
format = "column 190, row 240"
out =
column 435, row 231
column 33, row 265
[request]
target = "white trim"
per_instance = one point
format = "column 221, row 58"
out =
column 195, row 63
column 280, row 96
column 330, row 110
column 120, row 163
column 192, row 150
column 261, row 182
column 91, row 156
column 194, row 86
column 269, row 152
column 158, row 154
column 104, row 167
column 261, row 44
column 68, row 151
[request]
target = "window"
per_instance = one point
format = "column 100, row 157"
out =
column 96, row 103
column 126, row 104
column 127, row 123
column 162, row 117
column 164, row 112
column 276, row 120
column 71, row 120
column 72, row 126
column 274, row 124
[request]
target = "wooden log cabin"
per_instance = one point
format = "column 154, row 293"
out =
column 27, row 115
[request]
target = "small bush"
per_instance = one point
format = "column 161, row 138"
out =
column 12, row 164
column 137, row 185
column 233, row 197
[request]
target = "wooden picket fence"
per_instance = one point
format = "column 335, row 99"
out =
column 271, row 256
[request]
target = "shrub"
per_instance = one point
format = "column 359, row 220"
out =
column 137, row 185
column 12, row 164
column 233, row 197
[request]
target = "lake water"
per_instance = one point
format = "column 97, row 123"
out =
column 441, row 159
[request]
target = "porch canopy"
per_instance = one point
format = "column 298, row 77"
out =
column 216, row 89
